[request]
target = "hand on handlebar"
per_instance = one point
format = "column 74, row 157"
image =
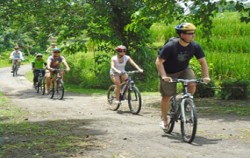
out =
column 206, row 80
column 141, row 70
column 68, row 69
column 167, row 79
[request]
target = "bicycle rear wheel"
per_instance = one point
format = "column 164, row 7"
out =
column 111, row 97
column 59, row 89
column 171, row 115
column 188, row 121
column 134, row 99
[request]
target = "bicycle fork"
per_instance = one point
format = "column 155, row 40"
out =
column 184, row 100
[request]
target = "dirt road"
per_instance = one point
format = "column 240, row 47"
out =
column 123, row 135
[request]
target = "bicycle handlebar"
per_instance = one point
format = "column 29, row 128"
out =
column 131, row 72
column 186, row 81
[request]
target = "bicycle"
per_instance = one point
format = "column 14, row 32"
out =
column 40, row 86
column 15, row 67
column 129, row 92
column 185, row 111
column 57, row 86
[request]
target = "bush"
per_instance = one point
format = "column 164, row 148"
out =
column 234, row 89
column 205, row 90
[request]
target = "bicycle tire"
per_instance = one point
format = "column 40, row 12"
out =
column 111, row 97
column 189, row 126
column 134, row 100
column 59, row 89
column 15, row 70
column 171, row 115
column 38, row 86
column 52, row 91
column 43, row 86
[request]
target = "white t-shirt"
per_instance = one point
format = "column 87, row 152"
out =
column 118, row 65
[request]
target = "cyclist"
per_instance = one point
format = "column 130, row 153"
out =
column 16, row 55
column 54, row 61
column 38, row 63
column 173, row 62
column 118, row 63
column 51, row 47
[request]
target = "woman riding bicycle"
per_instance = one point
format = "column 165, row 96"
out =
column 118, row 63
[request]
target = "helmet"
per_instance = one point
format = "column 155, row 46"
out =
column 16, row 47
column 120, row 48
column 39, row 55
column 56, row 50
column 183, row 27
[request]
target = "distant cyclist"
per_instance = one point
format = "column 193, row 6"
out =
column 38, row 63
column 16, row 55
column 54, row 61
column 118, row 63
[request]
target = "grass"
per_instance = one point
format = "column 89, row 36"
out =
column 20, row 138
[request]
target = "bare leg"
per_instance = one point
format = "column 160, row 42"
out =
column 164, row 108
column 192, row 88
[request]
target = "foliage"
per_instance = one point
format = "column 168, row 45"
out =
column 232, row 89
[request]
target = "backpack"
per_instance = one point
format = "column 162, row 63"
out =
column 175, row 40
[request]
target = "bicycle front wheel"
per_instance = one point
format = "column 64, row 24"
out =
column 43, row 86
column 171, row 115
column 59, row 89
column 15, row 68
column 188, row 121
column 111, row 98
column 134, row 99
column 52, row 91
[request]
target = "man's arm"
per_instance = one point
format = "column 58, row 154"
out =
column 204, row 69
column 159, row 65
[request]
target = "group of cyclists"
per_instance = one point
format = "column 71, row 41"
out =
column 171, row 62
column 47, row 67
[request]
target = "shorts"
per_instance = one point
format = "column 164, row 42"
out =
column 169, row 89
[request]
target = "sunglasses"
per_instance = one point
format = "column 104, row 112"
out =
column 122, row 50
column 190, row 33
column 56, row 52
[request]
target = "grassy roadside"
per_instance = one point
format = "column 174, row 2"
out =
column 21, row 138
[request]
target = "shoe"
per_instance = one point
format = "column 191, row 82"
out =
column 162, row 125
column 116, row 102
column 47, row 92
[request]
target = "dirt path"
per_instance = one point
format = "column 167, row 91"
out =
column 121, row 134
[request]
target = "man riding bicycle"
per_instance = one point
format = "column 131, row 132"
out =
column 16, row 56
column 54, row 62
column 37, row 64
column 173, row 62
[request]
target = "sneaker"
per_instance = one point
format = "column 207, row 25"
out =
column 116, row 102
column 162, row 125
column 47, row 92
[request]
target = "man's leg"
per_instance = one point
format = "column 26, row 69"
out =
column 164, row 109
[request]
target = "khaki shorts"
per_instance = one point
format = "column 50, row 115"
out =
column 169, row 89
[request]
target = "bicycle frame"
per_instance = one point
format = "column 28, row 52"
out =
column 128, row 92
column 179, row 111
column 57, row 85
